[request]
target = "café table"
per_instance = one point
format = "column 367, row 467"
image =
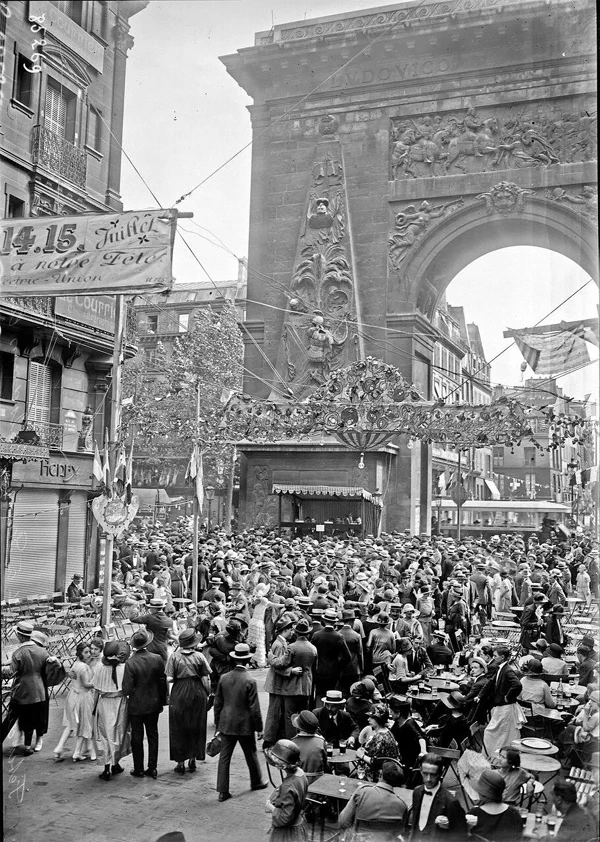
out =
column 572, row 603
column 541, row 764
column 328, row 786
column 535, row 829
column 339, row 759
column 505, row 624
column 443, row 684
column 524, row 749
column 182, row 599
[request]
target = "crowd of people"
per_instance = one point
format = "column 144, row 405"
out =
column 350, row 632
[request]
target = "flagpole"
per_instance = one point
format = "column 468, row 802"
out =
column 196, row 515
column 115, row 421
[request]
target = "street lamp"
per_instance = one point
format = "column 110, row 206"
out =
column 438, row 502
column 209, row 491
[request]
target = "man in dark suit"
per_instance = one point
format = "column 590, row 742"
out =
column 335, row 723
column 160, row 627
column 237, row 717
column 436, row 815
column 333, row 655
column 352, row 672
column 145, row 685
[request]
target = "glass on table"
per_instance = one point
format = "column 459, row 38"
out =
column 329, row 749
column 343, row 783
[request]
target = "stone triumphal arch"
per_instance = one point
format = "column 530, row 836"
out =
column 390, row 149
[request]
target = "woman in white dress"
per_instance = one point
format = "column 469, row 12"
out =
column 256, row 628
column 77, row 716
column 111, row 730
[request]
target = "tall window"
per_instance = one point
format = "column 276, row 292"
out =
column 15, row 207
column 59, row 112
column 23, row 89
column 152, row 323
column 94, row 129
column 7, row 367
column 529, row 456
column 39, row 392
column 183, row 320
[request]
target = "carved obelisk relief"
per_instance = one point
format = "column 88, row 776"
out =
column 319, row 332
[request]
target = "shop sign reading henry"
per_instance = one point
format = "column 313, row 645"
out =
column 114, row 253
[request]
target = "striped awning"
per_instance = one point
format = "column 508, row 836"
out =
column 322, row 491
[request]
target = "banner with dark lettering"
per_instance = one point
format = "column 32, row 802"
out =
column 113, row 253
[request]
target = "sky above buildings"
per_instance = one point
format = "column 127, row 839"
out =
column 185, row 117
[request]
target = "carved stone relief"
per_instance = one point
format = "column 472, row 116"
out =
column 586, row 201
column 411, row 223
column 265, row 504
column 505, row 198
column 321, row 295
column 483, row 140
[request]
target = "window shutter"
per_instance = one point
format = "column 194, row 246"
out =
column 39, row 392
column 55, row 117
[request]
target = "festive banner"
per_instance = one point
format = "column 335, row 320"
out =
column 113, row 253
column 551, row 353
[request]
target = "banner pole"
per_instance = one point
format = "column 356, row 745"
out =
column 115, row 422
column 194, row 594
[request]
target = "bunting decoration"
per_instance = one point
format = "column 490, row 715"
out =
column 97, row 469
column 549, row 354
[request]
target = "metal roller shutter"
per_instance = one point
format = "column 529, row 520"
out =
column 77, row 537
column 32, row 567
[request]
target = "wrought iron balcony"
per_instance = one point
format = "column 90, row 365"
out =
column 49, row 435
column 58, row 155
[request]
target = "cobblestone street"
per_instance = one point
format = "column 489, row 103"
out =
column 46, row 801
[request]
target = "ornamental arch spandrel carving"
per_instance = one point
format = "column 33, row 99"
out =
column 505, row 215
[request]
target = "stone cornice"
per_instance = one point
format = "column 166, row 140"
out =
column 417, row 13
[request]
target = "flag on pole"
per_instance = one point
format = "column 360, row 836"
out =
column 106, row 466
column 129, row 478
column 120, row 476
column 195, row 474
column 97, row 469
column 551, row 353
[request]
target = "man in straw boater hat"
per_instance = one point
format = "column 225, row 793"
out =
column 145, row 685
column 28, row 702
column 161, row 627
column 238, row 719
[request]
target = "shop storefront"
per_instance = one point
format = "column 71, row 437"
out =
column 51, row 526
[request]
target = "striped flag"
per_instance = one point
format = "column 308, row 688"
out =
column 97, row 469
column 551, row 353
column 129, row 477
column 195, row 474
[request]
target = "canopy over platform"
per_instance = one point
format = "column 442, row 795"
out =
column 323, row 491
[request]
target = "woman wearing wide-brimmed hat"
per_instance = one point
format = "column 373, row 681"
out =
column 379, row 742
column 189, row 672
column 111, row 727
column 286, row 802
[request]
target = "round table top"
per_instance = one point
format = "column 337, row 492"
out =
column 539, row 763
column 443, row 684
column 516, row 608
column 518, row 744
column 338, row 758
column 181, row 599
column 575, row 599
column 58, row 630
column 547, row 713
column 87, row 621
column 504, row 624
column 422, row 696
column 587, row 626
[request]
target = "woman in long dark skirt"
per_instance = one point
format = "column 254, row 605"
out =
column 189, row 672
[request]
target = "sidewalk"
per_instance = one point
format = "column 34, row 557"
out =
column 46, row 801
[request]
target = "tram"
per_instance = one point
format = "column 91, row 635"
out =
column 501, row 517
